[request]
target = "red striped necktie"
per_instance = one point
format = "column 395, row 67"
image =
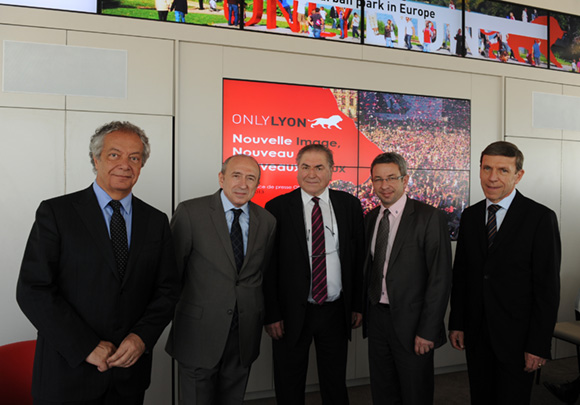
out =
column 319, row 292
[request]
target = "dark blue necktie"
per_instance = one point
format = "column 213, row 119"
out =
column 237, row 239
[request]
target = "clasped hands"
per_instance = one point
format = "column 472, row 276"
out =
column 106, row 355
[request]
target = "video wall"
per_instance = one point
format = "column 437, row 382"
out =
column 271, row 122
column 484, row 29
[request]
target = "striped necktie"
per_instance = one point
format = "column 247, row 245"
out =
column 319, row 292
column 491, row 223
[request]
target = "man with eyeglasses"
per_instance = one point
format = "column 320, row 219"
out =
column 313, row 289
column 407, row 286
column 506, row 283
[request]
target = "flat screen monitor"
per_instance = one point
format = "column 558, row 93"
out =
column 272, row 121
column 507, row 33
column 86, row 6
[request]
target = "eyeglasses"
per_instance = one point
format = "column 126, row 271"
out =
column 388, row 180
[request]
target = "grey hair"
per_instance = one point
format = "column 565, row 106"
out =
column 98, row 140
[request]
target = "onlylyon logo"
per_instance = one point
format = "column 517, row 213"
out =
column 297, row 122
column 327, row 123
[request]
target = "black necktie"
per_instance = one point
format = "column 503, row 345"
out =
column 491, row 223
column 376, row 277
column 119, row 237
column 237, row 239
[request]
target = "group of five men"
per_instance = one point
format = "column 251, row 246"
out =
column 104, row 273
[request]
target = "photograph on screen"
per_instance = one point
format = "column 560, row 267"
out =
column 433, row 134
column 565, row 49
column 507, row 33
column 324, row 20
column 414, row 25
column 85, row 6
column 331, row 20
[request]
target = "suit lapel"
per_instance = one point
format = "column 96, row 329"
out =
column 511, row 222
column 481, row 227
column 218, row 218
column 87, row 208
column 252, row 232
column 139, row 226
column 296, row 211
column 404, row 227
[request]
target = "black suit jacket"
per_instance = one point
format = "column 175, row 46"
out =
column 419, row 273
column 287, row 282
column 72, row 293
column 514, row 288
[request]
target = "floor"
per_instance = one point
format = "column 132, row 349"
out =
column 452, row 388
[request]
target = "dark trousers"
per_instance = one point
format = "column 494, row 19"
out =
column 111, row 397
column 398, row 376
column 493, row 380
column 224, row 384
column 162, row 15
column 325, row 325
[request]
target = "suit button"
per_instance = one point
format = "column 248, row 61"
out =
column 486, row 277
column 237, row 283
column 230, row 312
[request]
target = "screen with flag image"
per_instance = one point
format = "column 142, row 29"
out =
column 432, row 134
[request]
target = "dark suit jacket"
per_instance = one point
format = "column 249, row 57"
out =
column 514, row 287
column 72, row 293
column 419, row 272
column 212, row 285
column 287, row 283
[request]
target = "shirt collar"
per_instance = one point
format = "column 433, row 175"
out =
column 306, row 198
column 104, row 199
column 229, row 206
column 397, row 208
column 505, row 203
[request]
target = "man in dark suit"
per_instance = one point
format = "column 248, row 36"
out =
column 407, row 285
column 506, row 283
column 313, row 289
column 99, row 281
column 223, row 244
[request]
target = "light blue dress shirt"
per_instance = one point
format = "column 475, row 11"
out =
column 126, row 209
column 244, row 218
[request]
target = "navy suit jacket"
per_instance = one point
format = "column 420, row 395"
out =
column 72, row 293
column 514, row 287
column 287, row 282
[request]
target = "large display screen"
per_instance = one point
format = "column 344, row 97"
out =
column 414, row 25
column 326, row 19
column 507, row 33
column 87, row 6
column 273, row 121
column 565, row 40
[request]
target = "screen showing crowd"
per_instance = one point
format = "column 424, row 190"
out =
column 432, row 134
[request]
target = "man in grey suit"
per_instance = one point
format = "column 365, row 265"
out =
column 408, row 281
column 223, row 243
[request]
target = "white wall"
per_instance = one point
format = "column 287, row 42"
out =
column 176, row 71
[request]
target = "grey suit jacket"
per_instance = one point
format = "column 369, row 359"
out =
column 211, row 283
column 419, row 272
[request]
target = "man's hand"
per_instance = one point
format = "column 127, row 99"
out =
column 131, row 348
column 356, row 320
column 533, row 362
column 456, row 338
column 423, row 346
column 275, row 330
column 100, row 355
